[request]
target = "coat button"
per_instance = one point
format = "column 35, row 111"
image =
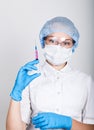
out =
column 57, row 110
column 58, row 92
column 57, row 77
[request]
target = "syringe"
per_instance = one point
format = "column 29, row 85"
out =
column 36, row 57
column 36, row 53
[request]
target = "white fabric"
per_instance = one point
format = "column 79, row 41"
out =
column 67, row 92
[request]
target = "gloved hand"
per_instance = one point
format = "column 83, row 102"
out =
column 23, row 79
column 49, row 120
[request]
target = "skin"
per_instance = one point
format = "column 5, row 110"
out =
column 14, row 121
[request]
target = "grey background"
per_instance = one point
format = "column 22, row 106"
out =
column 20, row 23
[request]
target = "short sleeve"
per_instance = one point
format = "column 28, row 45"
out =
column 88, row 113
column 25, row 106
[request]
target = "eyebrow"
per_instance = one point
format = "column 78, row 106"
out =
column 50, row 36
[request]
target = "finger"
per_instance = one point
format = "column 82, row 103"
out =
column 38, row 121
column 37, row 117
column 29, row 68
column 43, row 125
column 31, row 77
column 43, row 129
column 32, row 62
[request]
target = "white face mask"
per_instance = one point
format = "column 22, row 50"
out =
column 56, row 54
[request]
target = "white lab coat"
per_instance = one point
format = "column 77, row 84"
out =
column 67, row 92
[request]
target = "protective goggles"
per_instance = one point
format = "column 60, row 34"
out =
column 67, row 43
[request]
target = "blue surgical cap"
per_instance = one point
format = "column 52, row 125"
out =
column 59, row 24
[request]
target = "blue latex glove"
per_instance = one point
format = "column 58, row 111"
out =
column 49, row 120
column 23, row 79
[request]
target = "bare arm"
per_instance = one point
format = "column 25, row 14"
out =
column 80, row 126
column 13, row 121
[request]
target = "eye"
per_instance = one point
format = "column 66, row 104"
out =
column 66, row 43
column 51, row 41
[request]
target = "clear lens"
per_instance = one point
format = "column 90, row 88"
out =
column 67, row 43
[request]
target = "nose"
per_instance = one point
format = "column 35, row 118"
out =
column 59, row 43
